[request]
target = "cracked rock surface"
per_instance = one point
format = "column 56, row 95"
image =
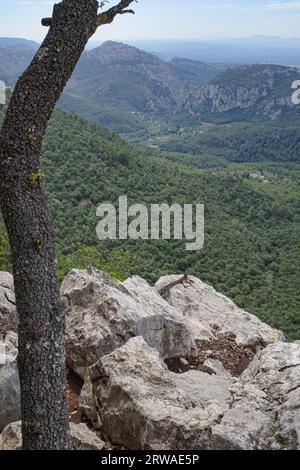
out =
column 177, row 366
column 103, row 313
column 8, row 312
column 10, row 395
column 83, row 437
column 136, row 402
column 209, row 313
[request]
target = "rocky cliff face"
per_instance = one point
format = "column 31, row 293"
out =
column 116, row 83
column 254, row 91
column 130, row 78
column 175, row 366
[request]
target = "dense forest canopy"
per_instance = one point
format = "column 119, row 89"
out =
column 251, row 251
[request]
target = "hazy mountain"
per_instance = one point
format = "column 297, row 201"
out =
column 129, row 89
column 115, row 83
column 7, row 42
column 120, row 86
column 195, row 72
column 128, row 81
column 13, row 61
column 256, row 50
column 127, row 78
column 263, row 42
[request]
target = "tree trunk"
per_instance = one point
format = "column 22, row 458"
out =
column 41, row 321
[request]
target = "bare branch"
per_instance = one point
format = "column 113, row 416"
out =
column 47, row 22
column 108, row 16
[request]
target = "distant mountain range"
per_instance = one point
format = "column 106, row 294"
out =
column 255, row 50
column 7, row 42
column 126, row 88
column 116, row 78
column 136, row 86
column 13, row 61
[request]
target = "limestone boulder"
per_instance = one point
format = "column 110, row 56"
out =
column 138, row 403
column 10, row 396
column 8, row 313
column 276, row 371
column 210, row 314
column 102, row 314
column 84, row 438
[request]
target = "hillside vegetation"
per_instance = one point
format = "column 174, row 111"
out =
column 251, row 248
column 131, row 91
column 240, row 143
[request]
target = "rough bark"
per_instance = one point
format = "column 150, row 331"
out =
column 41, row 342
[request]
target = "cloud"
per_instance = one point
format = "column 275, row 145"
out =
column 239, row 6
column 281, row 6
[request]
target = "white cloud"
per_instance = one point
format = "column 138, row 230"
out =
column 282, row 6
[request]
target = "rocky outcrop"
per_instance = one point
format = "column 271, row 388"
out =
column 222, row 99
column 11, row 437
column 142, row 405
column 10, row 400
column 258, row 90
column 138, row 403
column 8, row 313
column 102, row 314
column 83, row 437
column 177, row 366
column 210, row 314
column 276, row 372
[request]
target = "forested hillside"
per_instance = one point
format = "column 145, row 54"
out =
column 247, row 142
column 251, row 251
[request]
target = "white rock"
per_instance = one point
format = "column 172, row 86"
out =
column 84, row 438
column 241, row 429
column 214, row 367
column 207, row 312
column 102, row 314
column 10, row 396
column 184, row 362
column 139, row 404
column 8, row 313
column 11, row 437
column 276, row 370
column 142, row 405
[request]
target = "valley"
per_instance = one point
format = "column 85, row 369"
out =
column 191, row 132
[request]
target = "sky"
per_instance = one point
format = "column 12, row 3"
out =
column 168, row 19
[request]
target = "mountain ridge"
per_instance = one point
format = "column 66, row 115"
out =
column 130, row 89
column 10, row 41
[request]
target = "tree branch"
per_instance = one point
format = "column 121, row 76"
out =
column 108, row 16
column 47, row 22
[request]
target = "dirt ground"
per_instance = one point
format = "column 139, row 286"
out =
column 234, row 358
column 74, row 386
